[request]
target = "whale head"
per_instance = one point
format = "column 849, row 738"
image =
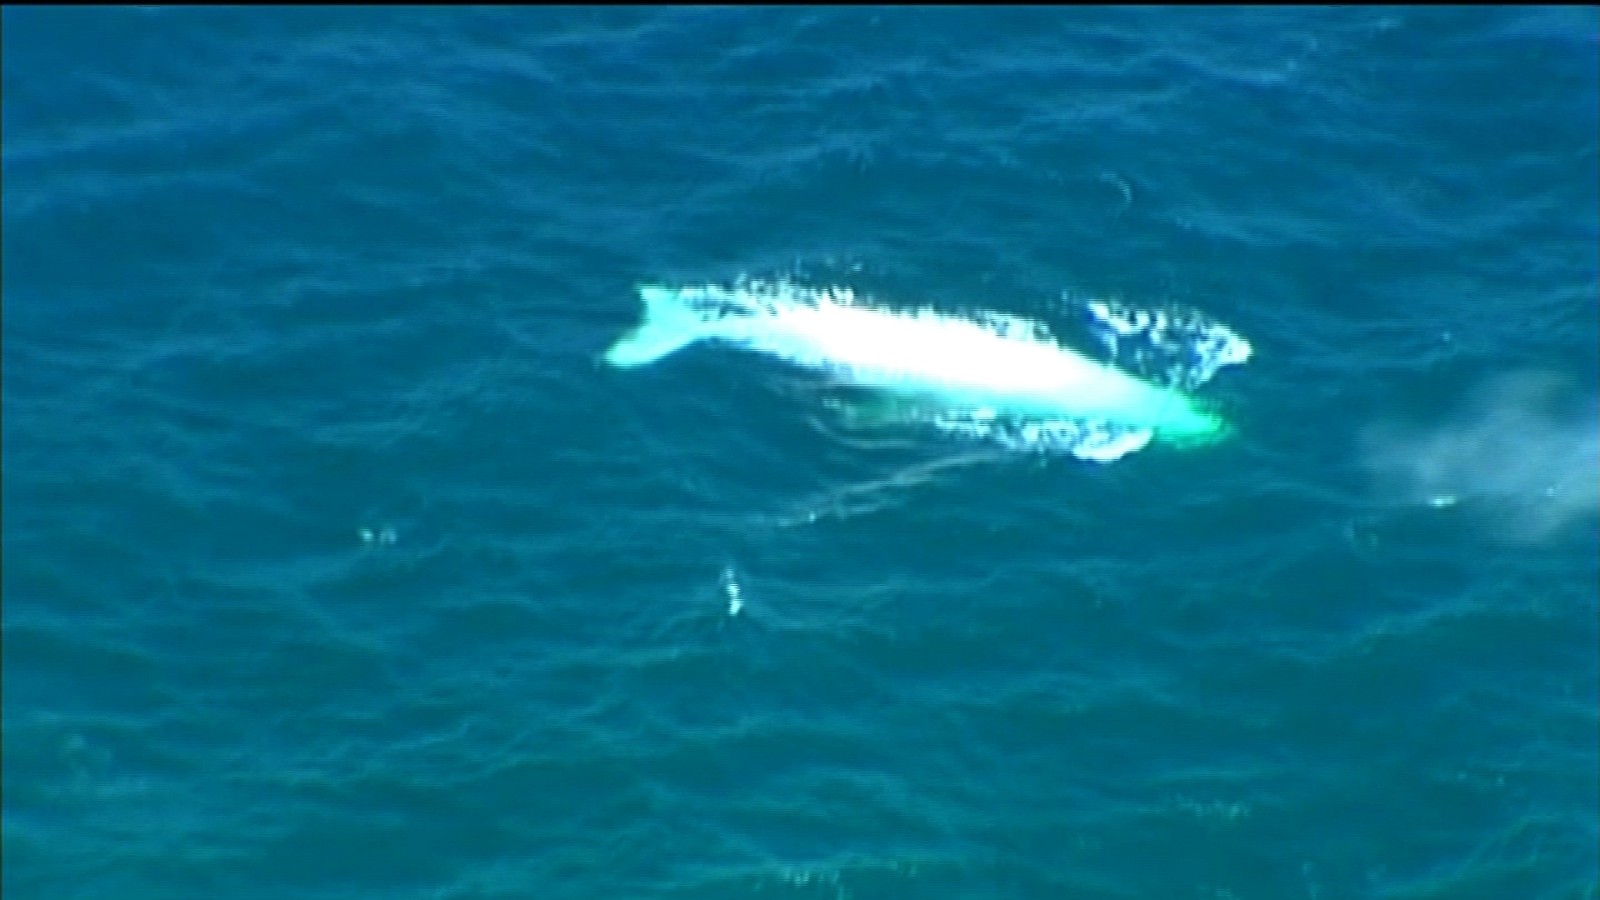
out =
column 1193, row 425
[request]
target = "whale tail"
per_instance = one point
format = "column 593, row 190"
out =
column 669, row 325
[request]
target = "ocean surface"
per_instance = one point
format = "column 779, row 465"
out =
column 338, row 564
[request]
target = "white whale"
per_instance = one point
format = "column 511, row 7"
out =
column 993, row 366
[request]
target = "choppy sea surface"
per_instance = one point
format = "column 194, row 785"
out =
column 336, row 563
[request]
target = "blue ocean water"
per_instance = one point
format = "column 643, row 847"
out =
column 336, row 564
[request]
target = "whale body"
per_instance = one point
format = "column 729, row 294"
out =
column 989, row 366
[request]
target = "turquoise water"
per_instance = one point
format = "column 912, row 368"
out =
column 336, row 564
